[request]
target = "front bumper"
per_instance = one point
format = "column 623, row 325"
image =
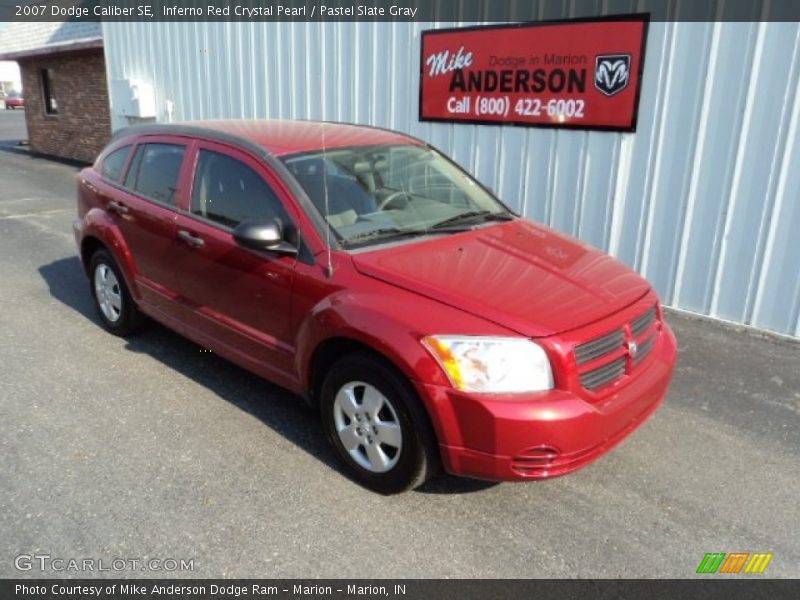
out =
column 544, row 434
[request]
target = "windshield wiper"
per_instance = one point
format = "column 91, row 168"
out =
column 472, row 215
column 384, row 232
column 448, row 225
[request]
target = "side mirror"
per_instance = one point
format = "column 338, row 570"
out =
column 263, row 235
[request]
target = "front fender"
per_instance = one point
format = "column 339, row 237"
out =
column 391, row 322
column 371, row 320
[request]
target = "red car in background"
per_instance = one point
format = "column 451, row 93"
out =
column 365, row 271
column 14, row 100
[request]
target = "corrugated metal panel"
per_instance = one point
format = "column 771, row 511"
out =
column 703, row 199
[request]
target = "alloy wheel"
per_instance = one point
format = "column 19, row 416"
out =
column 108, row 293
column 367, row 426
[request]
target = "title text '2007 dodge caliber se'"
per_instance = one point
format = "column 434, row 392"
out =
column 365, row 271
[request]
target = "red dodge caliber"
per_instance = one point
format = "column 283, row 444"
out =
column 365, row 271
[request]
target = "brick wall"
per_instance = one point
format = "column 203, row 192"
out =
column 82, row 126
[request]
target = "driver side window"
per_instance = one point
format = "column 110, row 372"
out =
column 226, row 191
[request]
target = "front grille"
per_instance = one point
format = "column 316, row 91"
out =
column 644, row 349
column 603, row 375
column 613, row 344
column 599, row 347
column 640, row 324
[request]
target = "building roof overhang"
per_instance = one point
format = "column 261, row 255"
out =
column 54, row 49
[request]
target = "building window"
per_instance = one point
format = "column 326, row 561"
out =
column 49, row 91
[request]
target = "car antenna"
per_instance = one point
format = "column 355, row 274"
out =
column 329, row 266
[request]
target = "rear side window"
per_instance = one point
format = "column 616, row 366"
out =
column 154, row 171
column 228, row 192
column 113, row 163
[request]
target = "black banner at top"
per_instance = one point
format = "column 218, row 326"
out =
column 392, row 10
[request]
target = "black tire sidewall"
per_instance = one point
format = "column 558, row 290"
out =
column 413, row 466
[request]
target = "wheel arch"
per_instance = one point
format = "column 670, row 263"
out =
column 328, row 351
column 331, row 349
column 101, row 233
column 89, row 245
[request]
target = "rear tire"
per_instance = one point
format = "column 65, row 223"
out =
column 377, row 425
column 112, row 299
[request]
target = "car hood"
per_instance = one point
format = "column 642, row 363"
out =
column 520, row 275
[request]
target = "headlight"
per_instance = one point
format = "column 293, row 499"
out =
column 492, row 364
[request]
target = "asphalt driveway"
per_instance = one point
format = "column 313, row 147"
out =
column 151, row 448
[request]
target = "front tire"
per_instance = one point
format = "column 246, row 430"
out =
column 377, row 425
column 112, row 299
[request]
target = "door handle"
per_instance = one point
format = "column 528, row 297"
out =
column 190, row 239
column 117, row 207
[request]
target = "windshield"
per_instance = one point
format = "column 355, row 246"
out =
column 370, row 194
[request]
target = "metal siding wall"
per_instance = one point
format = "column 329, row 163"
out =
column 703, row 199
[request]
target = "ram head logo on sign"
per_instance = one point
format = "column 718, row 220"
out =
column 611, row 73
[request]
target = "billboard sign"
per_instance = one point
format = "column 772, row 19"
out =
column 582, row 73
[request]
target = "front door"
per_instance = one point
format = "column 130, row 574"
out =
column 238, row 300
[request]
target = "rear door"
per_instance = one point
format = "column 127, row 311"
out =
column 143, row 205
column 239, row 300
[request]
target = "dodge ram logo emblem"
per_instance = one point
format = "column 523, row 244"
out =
column 633, row 348
column 611, row 73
